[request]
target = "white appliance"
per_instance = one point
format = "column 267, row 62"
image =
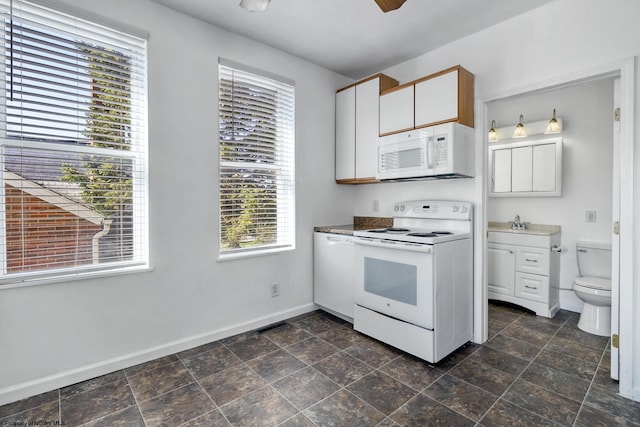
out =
column 435, row 152
column 333, row 273
column 414, row 281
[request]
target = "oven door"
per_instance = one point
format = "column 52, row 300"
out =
column 395, row 279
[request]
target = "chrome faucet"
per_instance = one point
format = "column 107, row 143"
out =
column 517, row 225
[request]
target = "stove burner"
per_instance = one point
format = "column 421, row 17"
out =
column 397, row 230
column 442, row 232
column 377, row 230
column 422, row 234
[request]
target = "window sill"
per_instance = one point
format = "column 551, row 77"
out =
column 37, row 281
column 251, row 253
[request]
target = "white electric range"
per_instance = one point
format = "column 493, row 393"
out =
column 414, row 280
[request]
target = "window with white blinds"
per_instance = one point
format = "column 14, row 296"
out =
column 257, row 140
column 73, row 145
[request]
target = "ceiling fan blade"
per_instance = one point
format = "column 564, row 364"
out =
column 389, row 5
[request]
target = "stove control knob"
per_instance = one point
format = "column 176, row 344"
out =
column 464, row 209
column 396, row 208
column 454, row 209
column 401, row 208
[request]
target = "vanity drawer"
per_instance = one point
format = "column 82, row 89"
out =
column 532, row 286
column 532, row 260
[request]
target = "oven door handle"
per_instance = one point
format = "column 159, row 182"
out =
column 392, row 244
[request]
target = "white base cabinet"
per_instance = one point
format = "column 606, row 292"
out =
column 334, row 273
column 524, row 269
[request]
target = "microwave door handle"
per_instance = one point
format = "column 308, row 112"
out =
column 430, row 153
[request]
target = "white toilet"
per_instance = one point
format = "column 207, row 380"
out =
column 593, row 287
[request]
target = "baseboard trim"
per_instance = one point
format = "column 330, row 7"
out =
column 32, row 388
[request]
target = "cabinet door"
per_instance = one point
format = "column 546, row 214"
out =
column 396, row 110
column 346, row 133
column 501, row 170
column 544, row 167
column 367, row 133
column 501, row 268
column 436, row 99
column 521, row 165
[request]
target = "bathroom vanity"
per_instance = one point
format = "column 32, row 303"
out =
column 523, row 266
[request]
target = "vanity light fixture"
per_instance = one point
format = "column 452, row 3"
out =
column 553, row 126
column 254, row 5
column 519, row 132
column 493, row 134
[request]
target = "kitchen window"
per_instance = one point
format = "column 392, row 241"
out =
column 256, row 142
column 73, row 145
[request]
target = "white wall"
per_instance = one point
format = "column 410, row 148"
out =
column 587, row 170
column 56, row 334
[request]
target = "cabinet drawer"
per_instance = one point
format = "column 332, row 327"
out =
column 532, row 260
column 532, row 286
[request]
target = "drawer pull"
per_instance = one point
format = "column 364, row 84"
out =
column 531, row 260
column 530, row 287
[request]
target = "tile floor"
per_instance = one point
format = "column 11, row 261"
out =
column 314, row 370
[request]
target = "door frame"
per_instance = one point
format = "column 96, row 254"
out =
column 625, row 70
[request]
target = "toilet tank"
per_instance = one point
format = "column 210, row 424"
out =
column 594, row 259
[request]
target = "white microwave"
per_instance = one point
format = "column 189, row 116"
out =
column 441, row 151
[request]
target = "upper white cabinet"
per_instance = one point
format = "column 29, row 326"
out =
column 357, row 116
column 396, row 110
column 446, row 96
column 525, row 169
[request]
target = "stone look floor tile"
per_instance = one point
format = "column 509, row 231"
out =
column 545, row 403
column 231, row 384
column 249, row 346
column 305, row 387
column 276, row 365
column 499, row 360
column 96, row 403
column 609, row 401
column 505, row 414
column 373, row 353
column 343, row 409
column 286, row 334
column 342, row 368
column 411, row 371
column 259, row 382
column 461, row 396
column 48, row 412
column 556, row 381
column 205, row 364
column 263, row 407
column 424, row 411
column 151, row 383
column 485, row 377
column 312, row 350
column 129, row 417
column 382, row 392
column 176, row 407
column 28, row 403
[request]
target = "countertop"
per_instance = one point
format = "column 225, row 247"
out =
column 537, row 229
column 359, row 223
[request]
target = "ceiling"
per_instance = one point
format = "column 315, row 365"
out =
column 354, row 37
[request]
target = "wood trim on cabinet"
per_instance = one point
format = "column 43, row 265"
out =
column 371, row 180
column 386, row 82
column 401, row 130
column 466, row 89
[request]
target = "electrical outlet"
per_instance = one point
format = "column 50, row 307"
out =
column 275, row 290
column 375, row 206
column 591, row 216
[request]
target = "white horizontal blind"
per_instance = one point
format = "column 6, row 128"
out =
column 257, row 139
column 73, row 146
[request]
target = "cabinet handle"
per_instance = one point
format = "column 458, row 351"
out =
column 511, row 252
column 530, row 287
column 531, row 260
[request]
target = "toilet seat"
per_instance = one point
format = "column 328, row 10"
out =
column 595, row 283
